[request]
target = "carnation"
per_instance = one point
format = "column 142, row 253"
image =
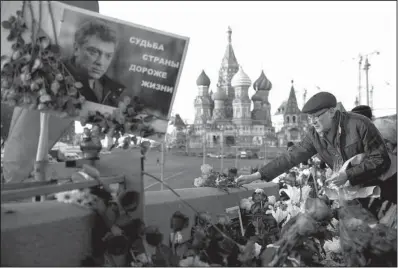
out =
column 199, row 182
column 246, row 204
column 332, row 245
column 259, row 191
column 271, row 199
column 206, row 169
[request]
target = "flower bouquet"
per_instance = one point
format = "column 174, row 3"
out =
column 211, row 178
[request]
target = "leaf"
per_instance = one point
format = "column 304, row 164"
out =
column 149, row 118
column 11, row 36
column 55, row 49
column 6, row 25
column 21, row 41
column 15, row 46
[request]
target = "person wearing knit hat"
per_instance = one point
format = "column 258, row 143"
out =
column 336, row 137
column 388, row 130
column 364, row 110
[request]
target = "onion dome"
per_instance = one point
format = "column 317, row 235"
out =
column 241, row 79
column 262, row 83
column 258, row 81
column 203, row 80
column 220, row 95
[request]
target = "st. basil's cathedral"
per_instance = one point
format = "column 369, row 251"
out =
column 224, row 116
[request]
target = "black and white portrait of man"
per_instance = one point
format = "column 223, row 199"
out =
column 95, row 44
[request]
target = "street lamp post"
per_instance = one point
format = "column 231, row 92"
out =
column 265, row 147
column 204, row 145
column 359, row 79
column 366, row 68
column 222, row 147
column 204, row 123
column 236, row 146
column 162, row 166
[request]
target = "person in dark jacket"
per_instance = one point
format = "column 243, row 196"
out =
column 94, row 48
column 336, row 137
column 364, row 110
column 290, row 145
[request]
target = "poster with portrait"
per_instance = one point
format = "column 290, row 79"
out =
column 108, row 59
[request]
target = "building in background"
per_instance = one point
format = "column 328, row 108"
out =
column 278, row 117
column 295, row 123
column 225, row 117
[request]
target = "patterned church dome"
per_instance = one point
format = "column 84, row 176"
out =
column 262, row 83
column 241, row 79
column 203, row 80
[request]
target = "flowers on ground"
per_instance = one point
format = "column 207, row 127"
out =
column 246, row 204
column 279, row 214
column 332, row 245
column 199, row 182
column 206, row 169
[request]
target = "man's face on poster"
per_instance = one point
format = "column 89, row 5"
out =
column 94, row 56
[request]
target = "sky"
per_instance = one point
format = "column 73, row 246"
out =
column 316, row 44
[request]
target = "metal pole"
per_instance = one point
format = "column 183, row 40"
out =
column 222, row 150
column 162, row 166
column 367, row 79
column 236, row 157
column 371, row 97
column 359, row 79
column 204, row 145
column 186, row 141
column 265, row 148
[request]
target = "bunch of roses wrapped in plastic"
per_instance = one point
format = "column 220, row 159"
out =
column 297, row 231
column 211, row 178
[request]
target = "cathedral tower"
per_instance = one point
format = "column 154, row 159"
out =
column 241, row 103
column 202, row 102
column 229, row 67
column 261, row 113
column 293, row 118
column 219, row 109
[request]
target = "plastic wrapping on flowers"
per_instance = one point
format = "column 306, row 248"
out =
column 303, row 229
column 220, row 180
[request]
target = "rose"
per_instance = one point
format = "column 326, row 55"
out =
column 199, row 182
column 246, row 204
column 206, row 169
column 271, row 199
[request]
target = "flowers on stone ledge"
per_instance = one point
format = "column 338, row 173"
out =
column 211, row 178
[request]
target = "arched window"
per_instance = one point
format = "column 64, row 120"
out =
column 287, row 119
column 294, row 119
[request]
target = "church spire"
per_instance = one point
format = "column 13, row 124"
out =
column 291, row 106
column 229, row 32
column 229, row 67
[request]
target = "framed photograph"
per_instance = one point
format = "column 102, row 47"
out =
column 110, row 61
